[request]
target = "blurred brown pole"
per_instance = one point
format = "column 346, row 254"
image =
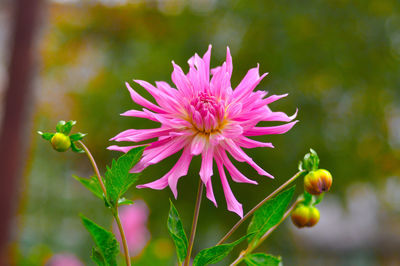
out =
column 16, row 100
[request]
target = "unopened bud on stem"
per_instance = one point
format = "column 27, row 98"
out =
column 317, row 182
column 305, row 216
column 60, row 142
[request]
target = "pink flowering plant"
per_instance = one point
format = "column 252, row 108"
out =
column 201, row 115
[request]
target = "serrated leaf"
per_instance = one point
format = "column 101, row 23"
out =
column 124, row 201
column 66, row 129
column 117, row 177
column 269, row 214
column 217, row 253
column 105, row 241
column 92, row 184
column 60, row 126
column 175, row 229
column 97, row 258
column 77, row 136
column 261, row 259
column 75, row 148
column 46, row 135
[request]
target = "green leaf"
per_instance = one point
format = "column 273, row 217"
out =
column 97, row 257
column 91, row 184
column 124, row 201
column 310, row 162
column 77, row 136
column 75, row 148
column 216, row 254
column 175, row 229
column 67, row 127
column 46, row 135
column 107, row 245
column 118, row 179
column 269, row 214
column 261, row 259
column 60, row 126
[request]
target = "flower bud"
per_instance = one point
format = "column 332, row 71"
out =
column 60, row 142
column 305, row 216
column 317, row 182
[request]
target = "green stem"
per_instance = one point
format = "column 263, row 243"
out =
column 251, row 247
column 194, row 223
column 124, row 242
column 113, row 210
column 94, row 165
column 279, row 189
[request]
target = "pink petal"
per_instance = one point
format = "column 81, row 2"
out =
column 180, row 169
column 236, row 175
column 123, row 149
column 141, row 114
column 137, row 135
column 181, row 81
column 232, row 131
column 142, row 101
column 231, row 202
column 241, row 156
column 257, row 131
column 158, row 184
column 206, row 170
column 274, row 98
column 250, row 143
column 279, row 116
column 197, row 145
column 153, row 155
column 229, row 66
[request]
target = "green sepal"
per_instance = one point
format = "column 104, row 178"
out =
column 307, row 198
column 75, row 148
column 117, row 177
column 124, row 201
column 97, row 257
column 216, row 253
column 310, row 162
column 92, row 184
column 318, row 199
column 77, row 136
column 175, row 229
column 107, row 245
column 311, row 200
column 261, row 259
column 66, row 129
column 269, row 214
column 46, row 135
column 60, row 126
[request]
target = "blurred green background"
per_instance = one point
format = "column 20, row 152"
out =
column 337, row 59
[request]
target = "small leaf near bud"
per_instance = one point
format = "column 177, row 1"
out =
column 305, row 216
column 60, row 142
column 310, row 162
column 317, row 182
column 60, row 125
column 46, row 135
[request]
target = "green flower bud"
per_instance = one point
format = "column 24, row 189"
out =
column 317, row 182
column 305, row 216
column 60, row 142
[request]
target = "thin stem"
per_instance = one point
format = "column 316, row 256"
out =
column 96, row 170
column 194, row 223
column 124, row 243
column 251, row 247
column 114, row 210
column 279, row 189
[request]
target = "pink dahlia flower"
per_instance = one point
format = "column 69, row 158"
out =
column 207, row 117
column 134, row 222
